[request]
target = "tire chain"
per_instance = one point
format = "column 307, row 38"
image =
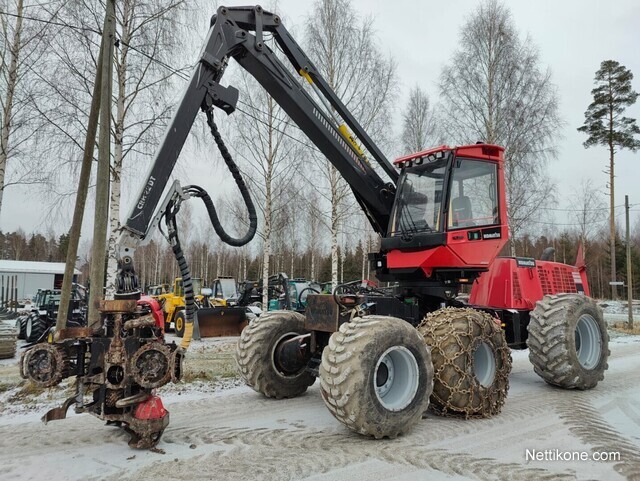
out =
column 438, row 328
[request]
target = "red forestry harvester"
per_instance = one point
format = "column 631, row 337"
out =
column 385, row 356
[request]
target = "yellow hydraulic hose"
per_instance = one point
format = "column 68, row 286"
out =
column 188, row 334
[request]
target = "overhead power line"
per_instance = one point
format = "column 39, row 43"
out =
column 51, row 22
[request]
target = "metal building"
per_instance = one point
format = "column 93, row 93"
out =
column 32, row 276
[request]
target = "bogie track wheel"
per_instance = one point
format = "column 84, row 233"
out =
column 471, row 360
column 568, row 341
column 376, row 376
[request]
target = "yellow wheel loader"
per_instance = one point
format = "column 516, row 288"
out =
column 215, row 318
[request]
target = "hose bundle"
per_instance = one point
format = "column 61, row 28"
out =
column 196, row 191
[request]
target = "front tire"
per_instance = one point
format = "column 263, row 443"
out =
column 35, row 328
column 256, row 355
column 376, row 376
column 471, row 360
column 568, row 341
column 180, row 321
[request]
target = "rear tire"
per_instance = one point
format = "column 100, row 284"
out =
column 471, row 360
column 21, row 325
column 568, row 341
column 35, row 327
column 255, row 355
column 180, row 320
column 376, row 376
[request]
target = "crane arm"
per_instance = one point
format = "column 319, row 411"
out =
column 238, row 33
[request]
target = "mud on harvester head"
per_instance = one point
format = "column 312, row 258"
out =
column 118, row 365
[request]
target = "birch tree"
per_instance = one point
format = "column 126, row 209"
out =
column 141, row 79
column 347, row 56
column 149, row 38
column 23, row 43
column 590, row 211
column 418, row 122
column 494, row 90
column 269, row 157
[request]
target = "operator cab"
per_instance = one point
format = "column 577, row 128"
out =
column 449, row 213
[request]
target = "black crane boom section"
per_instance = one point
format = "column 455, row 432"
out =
column 238, row 33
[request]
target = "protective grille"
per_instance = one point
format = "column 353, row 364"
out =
column 544, row 281
column 562, row 281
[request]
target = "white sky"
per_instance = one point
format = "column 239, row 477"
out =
column 573, row 37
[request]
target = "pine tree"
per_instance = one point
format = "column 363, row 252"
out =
column 606, row 125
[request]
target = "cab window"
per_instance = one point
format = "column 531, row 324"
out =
column 473, row 197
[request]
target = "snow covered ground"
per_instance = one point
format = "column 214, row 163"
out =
column 618, row 311
column 225, row 431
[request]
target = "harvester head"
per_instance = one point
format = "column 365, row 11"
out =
column 117, row 366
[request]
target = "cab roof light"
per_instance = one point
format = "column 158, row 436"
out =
column 490, row 150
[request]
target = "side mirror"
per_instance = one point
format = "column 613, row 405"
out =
column 206, row 292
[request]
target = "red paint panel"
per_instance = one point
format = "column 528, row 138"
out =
column 475, row 253
column 507, row 286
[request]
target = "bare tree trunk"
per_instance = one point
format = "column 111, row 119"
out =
column 342, row 255
column 101, row 216
column 243, row 272
column 313, row 264
column 334, row 226
column 366, row 253
column 293, row 258
column 157, row 264
column 81, row 197
column 12, row 81
column 364, row 261
column 116, row 168
column 612, row 222
column 268, row 177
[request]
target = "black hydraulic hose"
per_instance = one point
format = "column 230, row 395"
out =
column 233, row 168
column 189, row 299
column 195, row 191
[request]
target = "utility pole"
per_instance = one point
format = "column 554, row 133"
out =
column 81, row 197
column 101, row 219
column 629, row 273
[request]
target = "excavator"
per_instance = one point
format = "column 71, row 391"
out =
column 383, row 357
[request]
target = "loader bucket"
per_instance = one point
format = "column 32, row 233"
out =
column 221, row 321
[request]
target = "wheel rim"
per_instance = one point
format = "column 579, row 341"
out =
column 484, row 364
column 179, row 323
column 396, row 378
column 28, row 328
column 588, row 342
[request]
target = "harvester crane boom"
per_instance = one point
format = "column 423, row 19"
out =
column 238, row 33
